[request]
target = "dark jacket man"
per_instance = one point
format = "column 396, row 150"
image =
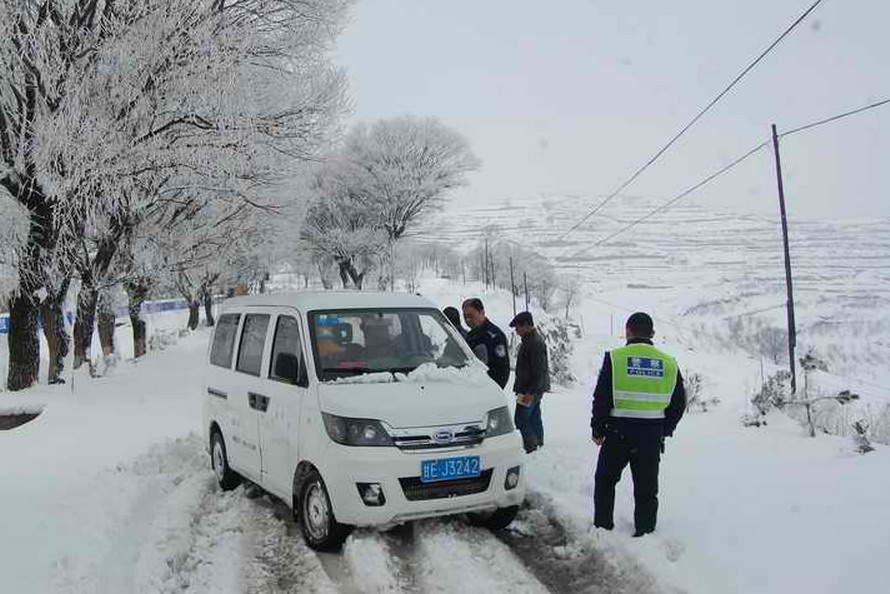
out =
column 532, row 380
column 630, row 427
column 487, row 341
column 532, row 366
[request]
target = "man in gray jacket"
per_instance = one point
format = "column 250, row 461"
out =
column 532, row 380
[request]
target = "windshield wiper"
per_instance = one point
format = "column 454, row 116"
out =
column 346, row 370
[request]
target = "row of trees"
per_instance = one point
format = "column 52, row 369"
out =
column 146, row 142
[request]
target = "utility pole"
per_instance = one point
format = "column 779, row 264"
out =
column 792, row 329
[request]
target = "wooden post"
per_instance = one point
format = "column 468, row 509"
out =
column 792, row 331
column 512, row 286
column 525, row 285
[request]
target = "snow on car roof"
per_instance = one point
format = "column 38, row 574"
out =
column 315, row 300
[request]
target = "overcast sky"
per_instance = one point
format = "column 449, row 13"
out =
column 570, row 97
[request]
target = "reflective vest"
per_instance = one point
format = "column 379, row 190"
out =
column 643, row 380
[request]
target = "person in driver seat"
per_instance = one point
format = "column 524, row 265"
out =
column 379, row 341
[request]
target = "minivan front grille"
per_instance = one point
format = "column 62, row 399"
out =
column 428, row 440
column 416, row 490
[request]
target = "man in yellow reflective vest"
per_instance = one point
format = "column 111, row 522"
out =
column 638, row 401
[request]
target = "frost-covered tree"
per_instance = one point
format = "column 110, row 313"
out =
column 403, row 168
column 41, row 43
column 395, row 172
column 111, row 111
column 341, row 228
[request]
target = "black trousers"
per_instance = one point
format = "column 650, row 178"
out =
column 642, row 450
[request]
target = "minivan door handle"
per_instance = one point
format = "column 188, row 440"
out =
column 217, row 393
column 258, row 401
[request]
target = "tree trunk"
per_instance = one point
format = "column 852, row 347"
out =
column 58, row 343
column 137, row 292
column 322, row 274
column 344, row 274
column 208, row 309
column 24, row 343
column 106, row 324
column 84, row 323
column 357, row 279
column 194, row 314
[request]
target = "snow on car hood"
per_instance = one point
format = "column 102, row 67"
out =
column 473, row 374
column 428, row 396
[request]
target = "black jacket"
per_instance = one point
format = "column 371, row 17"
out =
column 490, row 345
column 601, row 421
column 532, row 366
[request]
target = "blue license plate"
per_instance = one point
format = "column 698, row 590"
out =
column 446, row 469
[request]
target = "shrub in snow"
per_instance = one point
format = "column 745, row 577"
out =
column 161, row 339
column 695, row 400
column 773, row 393
column 557, row 333
column 860, row 437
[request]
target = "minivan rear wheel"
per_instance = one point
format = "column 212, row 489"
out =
column 227, row 478
column 320, row 528
column 494, row 520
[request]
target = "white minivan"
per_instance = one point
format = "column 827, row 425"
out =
column 358, row 409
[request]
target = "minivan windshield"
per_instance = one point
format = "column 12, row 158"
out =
column 359, row 341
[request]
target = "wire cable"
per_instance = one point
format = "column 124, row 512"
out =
column 834, row 118
column 675, row 199
column 726, row 168
column 693, row 121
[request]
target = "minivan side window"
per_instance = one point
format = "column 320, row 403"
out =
column 287, row 352
column 224, row 340
column 253, row 339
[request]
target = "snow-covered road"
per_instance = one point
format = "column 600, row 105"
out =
column 110, row 490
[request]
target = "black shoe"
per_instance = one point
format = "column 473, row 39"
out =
column 639, row 533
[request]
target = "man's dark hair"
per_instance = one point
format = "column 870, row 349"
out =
column 640, row 325
column 475, row 303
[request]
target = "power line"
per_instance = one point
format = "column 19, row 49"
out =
column 692, row 122
column 726, row 168
column 674, row 200
column 834, row 118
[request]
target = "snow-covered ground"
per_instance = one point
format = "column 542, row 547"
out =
column 109, row 490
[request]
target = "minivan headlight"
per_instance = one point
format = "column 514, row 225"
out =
column 498, row 422
column 356, row 432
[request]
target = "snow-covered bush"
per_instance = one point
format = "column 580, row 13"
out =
column 558, row 334
column 773, row 393
column 695, row 398
column 860, row 437
column 161, row 339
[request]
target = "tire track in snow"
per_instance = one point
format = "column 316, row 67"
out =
column 181, row 533
column 455, row 557
column 280, row 561
column 563, row 561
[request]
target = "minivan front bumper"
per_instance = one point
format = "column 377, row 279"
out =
column 406, row 498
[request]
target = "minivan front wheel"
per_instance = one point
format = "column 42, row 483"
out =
column 321, row 530
column 494, row 520
column 227, row 478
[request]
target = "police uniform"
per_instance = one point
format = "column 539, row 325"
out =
column 490, row 345
column 638, row 401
